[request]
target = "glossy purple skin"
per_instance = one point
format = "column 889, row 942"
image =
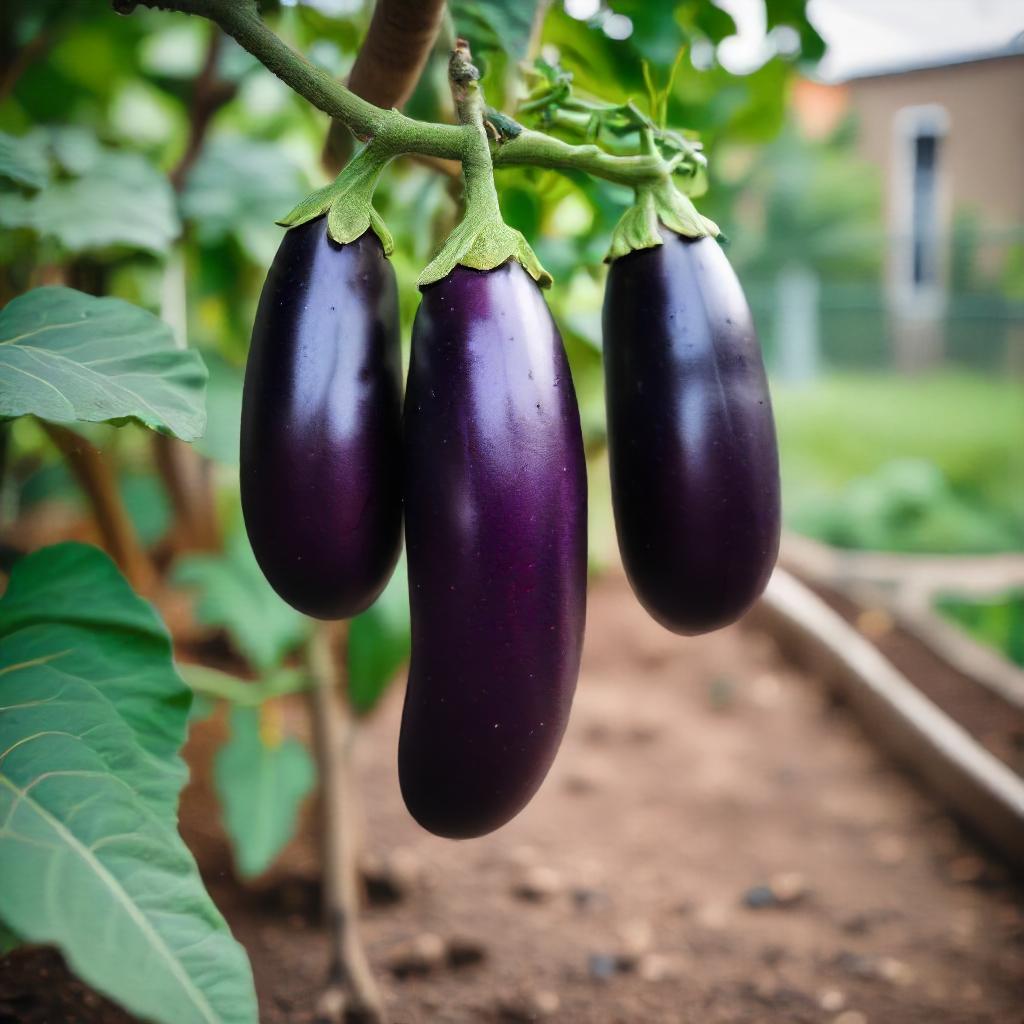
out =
column 496, row 534
column 321, row 424
column 694, row 463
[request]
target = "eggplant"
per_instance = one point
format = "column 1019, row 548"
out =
column 496, row 539
column 321, row 424
column 691, row 438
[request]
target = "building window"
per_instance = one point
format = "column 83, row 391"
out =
column 924, row 224
column 919, row 211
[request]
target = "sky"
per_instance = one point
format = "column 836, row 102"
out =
column 873, row 35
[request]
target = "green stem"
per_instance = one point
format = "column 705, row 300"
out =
column 390, row 129
column 482, row 240
column 532, row 148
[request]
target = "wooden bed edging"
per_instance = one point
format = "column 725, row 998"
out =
column 973, row 783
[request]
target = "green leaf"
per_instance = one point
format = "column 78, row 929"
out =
column 59, row 598
column 379, row 642
column 495, row 24
column 23, row 161
column 67, row 356
column 92, row 714
column 261, row 779
column 122, row 200
column 238, row 189
column 234, row 595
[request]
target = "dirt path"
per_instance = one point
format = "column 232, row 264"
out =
column 717, row 842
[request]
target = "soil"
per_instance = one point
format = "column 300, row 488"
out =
column 717, row 842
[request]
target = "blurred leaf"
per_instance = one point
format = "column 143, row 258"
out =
column 495, row 24
column 75, row 148
column 67, row 356
column 92, row 715
column 23, row 161
column 213, row 684
column 145, row 501
column 794, row 14
column 223, row 411
column 378, row 643
column 234, row 595
column 997, row 621
column 261, row 779
column 905, row 505
column 238, row 189
column 121, row 200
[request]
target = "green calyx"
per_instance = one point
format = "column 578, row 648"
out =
column 348, row 202
column 660, row 203
column 484, row 244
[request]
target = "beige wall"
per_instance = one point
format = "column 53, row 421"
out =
column 983, row 159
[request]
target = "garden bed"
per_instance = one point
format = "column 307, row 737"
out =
column 718, row 841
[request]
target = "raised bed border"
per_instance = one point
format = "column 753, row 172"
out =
column 972, row 782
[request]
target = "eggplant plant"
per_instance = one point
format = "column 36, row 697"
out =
column 481, row 463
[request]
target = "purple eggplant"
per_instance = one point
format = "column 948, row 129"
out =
column 321, row 424
column 495, row 527
column 694, row 463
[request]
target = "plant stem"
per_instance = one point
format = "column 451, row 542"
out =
column 351, row 988
column 477, row 169
column 95, row 476
column 535, row 149
column 393, row 130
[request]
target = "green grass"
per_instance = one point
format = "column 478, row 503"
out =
column 932, row 463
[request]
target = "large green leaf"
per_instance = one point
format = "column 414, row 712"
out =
column 23, row 161
column 378, row 643
column 234, row 594
column 121, row 200
column 91, row 716
column 67, row 356
column 261, row 778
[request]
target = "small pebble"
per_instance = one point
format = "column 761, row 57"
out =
column 874, row 623
column 539, row 884
column 465, row 952
column 528, row 1006
column 602, row 966
column 391, row 879
column 895, row 971
column 759, row 897
column 788, row 888
column 832, row 1000
column 419, row 955
column 721, row 693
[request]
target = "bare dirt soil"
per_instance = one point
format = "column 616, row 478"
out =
column 717, row 842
